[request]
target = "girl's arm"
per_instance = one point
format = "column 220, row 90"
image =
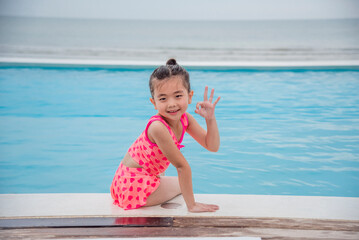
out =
column 159, row 133
column 208, row 139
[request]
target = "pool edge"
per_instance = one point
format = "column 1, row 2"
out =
column 219, row 65
column 244, row 206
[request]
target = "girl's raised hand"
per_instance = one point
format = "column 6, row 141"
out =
column 206, row 108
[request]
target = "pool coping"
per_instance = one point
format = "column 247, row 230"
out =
column 91, row 215
column 75, row 205
column 218, row 65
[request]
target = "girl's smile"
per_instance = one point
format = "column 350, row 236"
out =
column 171, row 98
column 173, row 112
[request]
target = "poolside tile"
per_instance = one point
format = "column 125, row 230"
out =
column 100, row 205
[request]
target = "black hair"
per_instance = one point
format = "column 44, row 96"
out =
column 166, row 71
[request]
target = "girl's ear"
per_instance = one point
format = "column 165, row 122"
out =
column 190, row 95
column 153, row 102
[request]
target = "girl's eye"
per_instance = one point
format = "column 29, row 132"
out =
column 162, row 99
column 178, row 96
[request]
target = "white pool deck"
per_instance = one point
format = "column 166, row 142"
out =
column 252, row 206
column 103, row 63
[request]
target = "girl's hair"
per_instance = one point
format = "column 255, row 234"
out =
column 164, row 72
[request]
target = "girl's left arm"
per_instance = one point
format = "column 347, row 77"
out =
column 208, row 139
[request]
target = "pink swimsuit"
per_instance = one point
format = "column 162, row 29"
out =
column 131, row 186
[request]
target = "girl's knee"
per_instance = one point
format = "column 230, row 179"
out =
column 168, row 189
column 174, row 184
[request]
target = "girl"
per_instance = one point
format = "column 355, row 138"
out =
column 137, row 181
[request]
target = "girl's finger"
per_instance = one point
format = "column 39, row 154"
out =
column 210, row 208
column 211, row 96
column 214, row 104
column 205, row 97
column 216, row 207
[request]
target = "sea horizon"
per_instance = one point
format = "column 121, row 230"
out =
column 185, row 40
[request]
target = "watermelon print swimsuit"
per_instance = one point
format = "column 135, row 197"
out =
column 131, row 187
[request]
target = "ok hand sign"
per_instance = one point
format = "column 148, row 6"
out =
column 206, row 108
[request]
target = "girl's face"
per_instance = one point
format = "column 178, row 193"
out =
column 171, row 98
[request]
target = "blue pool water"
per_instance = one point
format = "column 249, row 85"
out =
column 287, row 132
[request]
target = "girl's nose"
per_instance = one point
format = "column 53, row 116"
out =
column 171, row 103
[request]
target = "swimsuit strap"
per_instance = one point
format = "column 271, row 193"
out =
column 184, row 122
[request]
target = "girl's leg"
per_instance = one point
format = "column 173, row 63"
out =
column 168, row 189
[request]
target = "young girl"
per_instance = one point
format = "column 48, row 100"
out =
column 137, row 181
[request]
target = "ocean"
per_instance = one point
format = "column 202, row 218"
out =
column 274, row 40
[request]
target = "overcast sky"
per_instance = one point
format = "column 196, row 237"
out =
column 183, row 9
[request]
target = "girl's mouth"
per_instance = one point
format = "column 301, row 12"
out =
column 173, row 112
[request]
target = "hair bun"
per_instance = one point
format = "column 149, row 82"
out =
column 171, row 61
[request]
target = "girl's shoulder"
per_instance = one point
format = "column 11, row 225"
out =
column 158, row 129
column 189, row 118
column 158, row 126
column 157, row 120
column 155, row 125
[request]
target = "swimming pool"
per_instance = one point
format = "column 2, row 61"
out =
column 285, row 132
